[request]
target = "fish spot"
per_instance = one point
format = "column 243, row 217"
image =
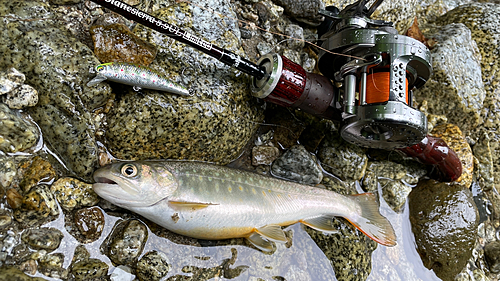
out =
column 230, row 189
column 209, row 178
column 200, row 178
column 175, row 217
column 254, row 191
column 217, row 187
column 240, row 187
column 263, row 193
column 269, row 191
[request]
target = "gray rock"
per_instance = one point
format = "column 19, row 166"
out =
column 51, row 265
column 58, row 66
column 126, row 242
column 21, row 97
column 456, row 78
column 152, row 266
column 13, row 273
column 298, row 165
column 297, row 33
column 16, row 134
column 89, row 269
column 212, row 125
column 7, row 171
column 444, row 220
column 492, row 256
column 303, row 10
column 43, row 238
column 341, row 158
column 10, row 79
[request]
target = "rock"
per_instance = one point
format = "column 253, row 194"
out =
column 484, row 166
column 454, row 138
column 116, row 43
column 72, row 193
column 10, row 79
column 43, row 238
column 401, row 12
column 212, row 125
column 7, row 171
column 444, row 220
column 303, row 10
column 264, row 154
column 152, row 266
column 14, row 199
column 57, row 65
column 41, row 200
column 298, row 165
column 21, row 97
column 29, row 267
column 341, row 158
column 483, row 19
column 39, row 171
column 492, row 256
column 15, row 274
column 51, row 265
column 64, row 2
column 296, row 32
column 16, row 134
column 5, row 218
column 80, row 254
column 89, row 269
column 90, row 222
column 126, row 242
column 456, row 87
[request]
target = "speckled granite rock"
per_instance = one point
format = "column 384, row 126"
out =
column 126, row 242
column 10, row 79
column 152, row 266
column 72, row 193
column 456, row 87
column 298, row 165
column 454, row 138
column 12, row 273
column 16, row 134
column 51, row 265
column 341, row 158
column 116, row 43
column 492, row 255
column 212, row 125
column 44, row 238
column 89, row 269
column 7, row 171
column 484, row 21
column 303, row 10
column 38, row 171
column 57, row 65
column 21, row 97
column 444, row 220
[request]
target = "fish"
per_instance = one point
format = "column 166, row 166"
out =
column 212, row 202
column 137, row 76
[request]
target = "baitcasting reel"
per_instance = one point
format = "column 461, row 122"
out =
column 378, row 69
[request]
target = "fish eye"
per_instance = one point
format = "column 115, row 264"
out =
column 129, row 170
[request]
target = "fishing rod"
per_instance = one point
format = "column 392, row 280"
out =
column 377, row 68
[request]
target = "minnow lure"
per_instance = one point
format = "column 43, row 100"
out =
column 137, row 76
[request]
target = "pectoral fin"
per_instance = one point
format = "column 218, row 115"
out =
column 190, row 205
column 98, row 79
column 261, row 244
column 321, row 223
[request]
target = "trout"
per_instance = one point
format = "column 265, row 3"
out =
column 213, row 202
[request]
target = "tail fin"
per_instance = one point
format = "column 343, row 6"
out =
column 371, row 222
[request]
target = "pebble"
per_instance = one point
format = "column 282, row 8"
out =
column 72, row 193
column 89, row 269
column 10, row 79
column 303, row 10
column 492, row 256
column 90, row 222
column 81, row 253
column 51, row 265
column 264, row 154
column 9, row 273
column 30, row 267
column 116, row 43
column 127, row 242
column 295, row 40
column 38, row 171
column 64, row 2
column 21, row 97
column 43, row 238
column 299, row 165
column 41, row 200
column 8, row 171
column 152, row 266
column 16, row 134
column 14, row 199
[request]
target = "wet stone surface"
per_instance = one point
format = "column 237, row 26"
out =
column 8, row 171
column 152, row 266
column 14, row 274
column 264, row 154
column 21, row 97
column 39, row 171
column 298, row 165
column 72, row 193
column 444, row 220
column 90, row 223
column 51, row 265
column 10, row 79
column 43, row 238
column 492, row 256
column 16, row 134
column 303, row 10
column 125, row 244
column 89, row 269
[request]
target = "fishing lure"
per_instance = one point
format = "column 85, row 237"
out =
column 137, row 76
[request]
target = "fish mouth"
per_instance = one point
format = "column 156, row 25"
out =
column 104, row 180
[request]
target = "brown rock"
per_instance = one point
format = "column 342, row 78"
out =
column 38, row 171
column 90, row 222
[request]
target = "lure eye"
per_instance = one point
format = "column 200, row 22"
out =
column 99, row 68
column 129, row 170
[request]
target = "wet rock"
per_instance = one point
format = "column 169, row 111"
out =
column 39, row 171
column 484, row 165
column 298, row 165
column 116, row 43
column 51, row 265
column 483, row 19
column 152, row 266
column 286, row 128
column 264, row 154
column 401, row 12
column 57, row 65
column 126, row 242
column 29, row 267
column 72, row 193
column 454, row 138
column 13, row 273
column 21, row 97
column 212, row 125
column 16, row 134
column 41, row 200
column 10, row 79
column 90, row 222
column 303, row 10
column 14, row 199
column 89, row 269
column 80, row 254
column 64, row 2
column 42, row 238
column 456, row 78
column 444, row 220
column 122, row 273
column 7, row 171
column 492, row 256
column 341, row 158
column 296, row 32
column 5, row 218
